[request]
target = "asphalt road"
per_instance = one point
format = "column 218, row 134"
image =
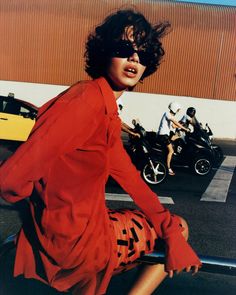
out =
column 212, row 229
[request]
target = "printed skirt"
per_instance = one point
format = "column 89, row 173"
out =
column 135, row 237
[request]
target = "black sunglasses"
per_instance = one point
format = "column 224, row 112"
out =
column 124, row 48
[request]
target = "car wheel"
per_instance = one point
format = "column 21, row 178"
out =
column 154, row 172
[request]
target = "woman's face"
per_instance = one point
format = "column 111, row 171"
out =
column 125, row 72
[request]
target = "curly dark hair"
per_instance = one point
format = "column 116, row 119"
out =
column 147, row 36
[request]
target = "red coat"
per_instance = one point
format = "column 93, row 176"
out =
column 63, row 167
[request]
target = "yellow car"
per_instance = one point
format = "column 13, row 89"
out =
column 17, row 118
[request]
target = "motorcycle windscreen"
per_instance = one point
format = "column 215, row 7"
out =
column 15, row 127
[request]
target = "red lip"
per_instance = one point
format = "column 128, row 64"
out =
column 131, row 70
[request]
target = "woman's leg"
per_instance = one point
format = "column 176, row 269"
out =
column 170, row 154
column 150, row 278
column 153, row 275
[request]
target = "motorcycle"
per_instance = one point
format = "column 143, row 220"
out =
column 153, row 168
column 218, row 153
column 193, row 149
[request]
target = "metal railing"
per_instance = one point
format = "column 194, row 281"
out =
column 212, row 264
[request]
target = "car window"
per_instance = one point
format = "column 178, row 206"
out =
column 11, row 107
column 15, row 107
column 25, row 112
column 2, row 104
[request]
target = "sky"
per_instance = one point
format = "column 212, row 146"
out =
column 217, row 2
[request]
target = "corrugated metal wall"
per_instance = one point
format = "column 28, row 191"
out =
column 43, row 42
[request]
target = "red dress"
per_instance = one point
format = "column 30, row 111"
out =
column 63, row 167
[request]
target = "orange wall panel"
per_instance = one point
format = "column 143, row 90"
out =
column 43, row 42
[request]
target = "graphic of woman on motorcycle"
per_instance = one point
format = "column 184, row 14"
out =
column 72, row 241
column 166, row 132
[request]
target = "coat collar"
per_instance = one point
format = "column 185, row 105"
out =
column 109, row 98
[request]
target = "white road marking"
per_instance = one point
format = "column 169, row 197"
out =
column 218, row 188
column 127, row 198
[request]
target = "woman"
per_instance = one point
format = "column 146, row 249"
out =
column 189, row 118
column 73, row 242
column 166, row 134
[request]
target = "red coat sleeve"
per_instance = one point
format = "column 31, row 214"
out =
column 178, row 252
column 55, row 129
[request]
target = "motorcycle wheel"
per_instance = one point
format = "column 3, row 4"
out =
column 155, row 176
column 202, row 165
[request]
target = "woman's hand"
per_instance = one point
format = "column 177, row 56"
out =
column 134, row 134
column 194, row 269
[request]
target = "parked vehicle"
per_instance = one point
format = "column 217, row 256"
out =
column 193, row 149
column 17, row 118
column 153, row 169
